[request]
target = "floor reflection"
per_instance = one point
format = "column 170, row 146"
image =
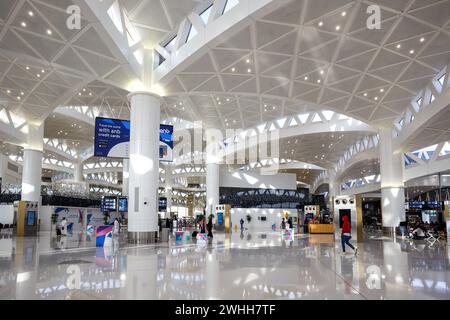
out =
column 243, row 265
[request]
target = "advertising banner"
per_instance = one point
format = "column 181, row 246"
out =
column 112, row 139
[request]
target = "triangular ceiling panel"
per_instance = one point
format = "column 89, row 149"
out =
column 324, row 53
column 282, row 70
column 390, row 73
column 300, row 88
column 203, row 64
column 319, row 8
column 347, row 85
column 268, row 32
column 190, row 81
column 226, row 58
column 101, row 65
column 284, row 45
column 248, row 87
column 92, row 41
column 70, row 59
column 231, row 81
column 242, row 40
column 359, row 62
column 268, row 60
column 212, row 85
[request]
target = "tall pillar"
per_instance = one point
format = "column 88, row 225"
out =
column 392, row 187
column 125, row 176
column 144, row 167
column 333, row 188
column 212, row 187
column 78, row 172
column 168, row 188
column 32, row 164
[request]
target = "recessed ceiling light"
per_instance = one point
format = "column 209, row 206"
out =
column 18, row 98
column 338, row 28
column 422, row 39
column 43, row 71
column 49, row 32
column 28, row 68
column 306, row 78
column 248, row 60
column 31, row 13
column 381, row 90
column 8, row 91
column 22, row 93
column 79, row 93
column 38, row 75
column 228, row 99
column 273, row 108
column 84, row 89
column 320, row 23
column 365, row 94
column 321, row 71
column 90, row 93
column 319, row 81
column 233, row 69
column 399, row 46
column 376, row 98
column 411, row 51
column 249, row 70
column 343, row 13
column 23, row 24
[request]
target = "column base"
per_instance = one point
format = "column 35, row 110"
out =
column 142, row 237
column 390, row 231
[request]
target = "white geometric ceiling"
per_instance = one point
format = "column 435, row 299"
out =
column 321, row 51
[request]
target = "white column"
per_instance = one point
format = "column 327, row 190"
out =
column 168, row 186
column 333, row 188
column 32, row 164
column 144, row 167
column 78, row 172
column 212, row 187
column 392, row 187
column 125, row 176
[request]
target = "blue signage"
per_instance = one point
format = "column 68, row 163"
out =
column 112, row 139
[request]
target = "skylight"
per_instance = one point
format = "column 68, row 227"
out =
column 114, row 14
column 229, row 5
column 441, row 79
column 205, row 15
column 192, row 33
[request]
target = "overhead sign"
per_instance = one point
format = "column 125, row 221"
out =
column 112, row 139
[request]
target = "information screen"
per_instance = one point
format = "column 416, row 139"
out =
column 162, row 205
column 123, row 204
column 31, row 218
column 109, row 203
column 112, row 139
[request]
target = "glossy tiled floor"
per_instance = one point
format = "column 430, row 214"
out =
column 240, row 266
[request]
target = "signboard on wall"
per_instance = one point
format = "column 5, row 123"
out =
column 112, row 139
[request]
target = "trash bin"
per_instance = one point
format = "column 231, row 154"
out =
column 165, row 235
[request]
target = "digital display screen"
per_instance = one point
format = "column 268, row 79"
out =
column 109, row 203
column 31, row 218
column 162, row 204
column 123, row 204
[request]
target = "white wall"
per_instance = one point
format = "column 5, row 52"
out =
column 247, row 179
column 7, row 175
column 273, row 216
column 6, row 214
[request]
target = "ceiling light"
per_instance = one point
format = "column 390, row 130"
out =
column 365, row 94
column 321, row 71
column 376, row 98
column 228, row 99
column 338, row 28
column 22, row 93
column 38, row 75
column 248, row 60
column 233, row 69
column 399, row 46
column 49, row 32
column 411, row 51
column 422, row 39
column 28, row 68
column 343, row 13
column 23, row 24
column 249, row 70
column 8, row 91
column 318, row 81
column 273, row 108
column 31, row 13
column 79, row 93
column 320, row 23
column 43, row 71
column 306, row 78
column 84, row 89
column 18, row 98
column 90, row 93
column 381, row 90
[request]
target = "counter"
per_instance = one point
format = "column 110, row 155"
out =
column 321, row 228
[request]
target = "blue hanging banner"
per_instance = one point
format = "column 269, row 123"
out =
column 112, row 139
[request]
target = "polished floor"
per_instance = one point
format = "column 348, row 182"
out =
column 246, row 265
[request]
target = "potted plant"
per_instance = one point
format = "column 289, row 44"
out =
column 105, row 218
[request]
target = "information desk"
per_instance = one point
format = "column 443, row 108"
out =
column 321, row 228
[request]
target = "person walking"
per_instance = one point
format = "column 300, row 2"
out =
column 116, row 226
column 209, row 226
column 242, row 224
column 346, row 235
column 64, row 227
column 283, row 224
